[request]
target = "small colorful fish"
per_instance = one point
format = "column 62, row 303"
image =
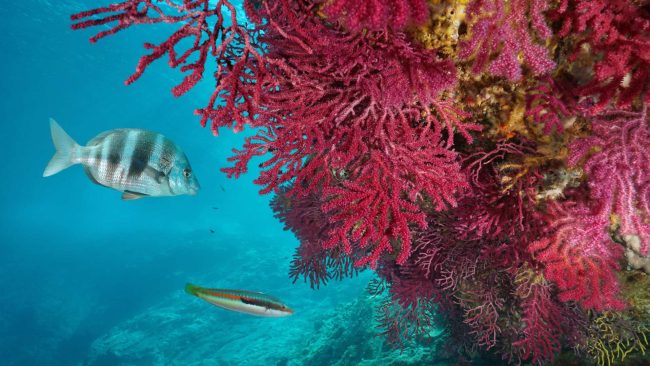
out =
column 253, row 303
column 137, row 162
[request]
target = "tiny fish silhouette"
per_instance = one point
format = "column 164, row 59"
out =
column 215, row 208
column 212, row 231
column 137, row 162
column 253, row 303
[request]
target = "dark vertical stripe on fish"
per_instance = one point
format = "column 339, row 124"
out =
column 115, row 154
column 141, row 155
column 167, row 155
column 98, row 157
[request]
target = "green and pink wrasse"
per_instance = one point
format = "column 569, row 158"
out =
column 253, row 303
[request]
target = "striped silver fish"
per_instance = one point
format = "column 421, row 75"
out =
column 137, row 162
column 253, row 303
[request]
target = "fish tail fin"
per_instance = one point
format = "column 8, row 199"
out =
column 192, row 289
column 66, row 150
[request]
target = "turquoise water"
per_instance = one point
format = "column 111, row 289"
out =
column 88, row 279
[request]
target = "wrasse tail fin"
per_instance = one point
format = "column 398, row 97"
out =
column 66, row 150
column 192, row 289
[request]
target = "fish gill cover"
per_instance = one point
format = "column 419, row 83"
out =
column 489, row 159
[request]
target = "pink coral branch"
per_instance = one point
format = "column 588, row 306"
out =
column 499, row 25
column 539, row 341
column 550, row 104
column 617, row 162
column 303, row 216
column 233, row 47
column 616, row 34
column 486, row 211
column 378, row 14
column 579, row 257
column 128, row 13
column 364, row 135
column 483, row 318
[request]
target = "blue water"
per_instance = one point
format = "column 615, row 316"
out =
column 80, row 269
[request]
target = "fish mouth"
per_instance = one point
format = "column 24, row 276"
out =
column 194, row 189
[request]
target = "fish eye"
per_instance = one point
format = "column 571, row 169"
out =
column 187, row 173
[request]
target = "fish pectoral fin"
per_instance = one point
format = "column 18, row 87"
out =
column 129, row 196
column 154, row 173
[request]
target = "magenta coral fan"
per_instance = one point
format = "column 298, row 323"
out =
column 617, row 162
column 487, row 282
column 579, row 256
column 372, row 132
column 501, row 25
column 360, row 123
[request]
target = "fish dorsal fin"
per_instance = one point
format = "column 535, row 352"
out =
column 100, row 137
column 129, row 196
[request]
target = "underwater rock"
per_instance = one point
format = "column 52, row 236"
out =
column 348, row 336
column 633, row 254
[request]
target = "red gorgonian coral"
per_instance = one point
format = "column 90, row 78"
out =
column 361, row 123
column 378, row 14
column 226, row 40
column 542, row 315
column 491, row 208
column 303, row 216
column 616, row 160
column 549, row 103
column 616, row 34
column 367, row 135
column 579, row 255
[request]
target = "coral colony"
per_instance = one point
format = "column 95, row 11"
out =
column 488, row 159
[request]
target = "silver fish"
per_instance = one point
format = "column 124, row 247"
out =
column 137, row 162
